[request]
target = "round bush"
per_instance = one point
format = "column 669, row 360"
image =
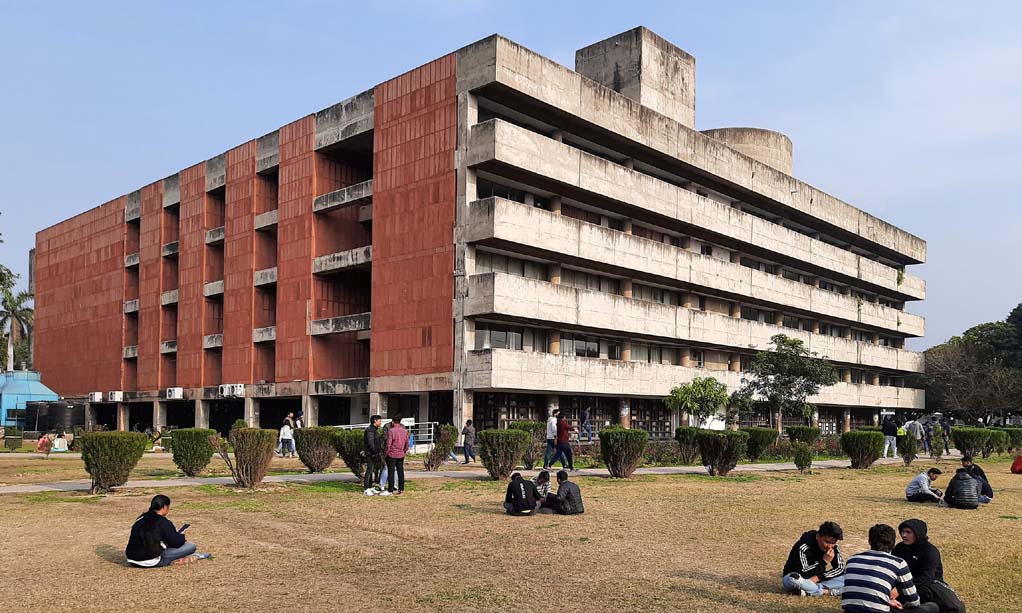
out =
column 537, row 442
column 191, row 449
column 863, row 447
column 721, row 450
column 238, row 424
column 688, row 441
column 970, row 441
column 1014, row 438
column 110, row 456
column 997, row 440
column 501, row 450
column 350, row 445
column 760, row 440
column 315, row 447
column 803, row 434
column 253, row 451
column 908, row 449
column 803, row 455
column 622, row 449
column 443, row 445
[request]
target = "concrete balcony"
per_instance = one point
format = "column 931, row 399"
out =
column 509, row 224
column 216, row 172
column 339, row 387
column 268, row 152
column 213, row 288
column 131, row 352
column 347, row 121
column 172, row 190
column 170, row 249
column 500, row 146
column 360, row 193
column 168, row 297
column 352, row 259
column 212, row 341
column 340, row 325
column 539, row 301
column 264, row 335
column 215, row 236
column 265, row 221
column 131, row 260
column 133, row 206
column 365, row 213
column 523, row 371
column 131, row 306
column 168, row 346
column 266, row 276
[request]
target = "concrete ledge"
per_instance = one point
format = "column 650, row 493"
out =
column 265, row 220
column 212, row 341
column 133, row 206
column 172, row 190
column 131, row 351
column 216, row 172
column 131, row 260
column 215, row 236
column 339, row 387
column 268, row 151
column 266, row 276
column 359, row 257
column 264, row 335
column 359, row 193
column 171, row 248
column 412, row 383
column 168, row 297
column 365, row 213
column 345, row 120
column 261, row 390
column 213, row 288
column 168, row 347
column 131, row 306
column 340, row 325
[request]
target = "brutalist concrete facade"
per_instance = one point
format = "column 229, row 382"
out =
column 488, row 236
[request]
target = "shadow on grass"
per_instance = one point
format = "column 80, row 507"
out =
column 483, row 509
column 730, row 600
column 111, row 554
column 753, row 584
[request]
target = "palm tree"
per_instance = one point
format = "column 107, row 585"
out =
column 17, row 318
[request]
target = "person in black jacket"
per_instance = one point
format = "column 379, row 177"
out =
column 521, row 497
column 890, row 430
column 567, row 500
column 923, row 559
column 374, row 454
column 815, row 566
column 963, row 491
column 154, row 541
column 977, row 473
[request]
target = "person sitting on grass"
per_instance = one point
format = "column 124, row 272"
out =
column 521, row 497
column 919, row 489
column 815, row 566
column 154, row 541
column 567, row 500
column 878, row 581
column 59, row 444
column 986, row 492
column 963, row 491
column 923, row 560
column 542, row 482
column 43, row 444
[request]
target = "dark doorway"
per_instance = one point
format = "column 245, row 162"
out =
column 104, row 416
column 441, row 407
column 223, row 414
column 180, row 414
column 403, row 406
column 140, row 416
column 272, row 411
column 335, row 411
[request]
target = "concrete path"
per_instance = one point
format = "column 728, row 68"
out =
column 82, row 485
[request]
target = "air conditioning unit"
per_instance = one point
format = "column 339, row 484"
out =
column 226, row 390
column 115, row 396
column 238, row 390
column 175, row 393
column 95, row 396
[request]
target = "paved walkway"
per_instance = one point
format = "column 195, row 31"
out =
column 83, row 485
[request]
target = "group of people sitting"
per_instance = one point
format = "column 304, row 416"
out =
column 967, row 489
column 887, row 576
column 54, row 442
column 527, row 497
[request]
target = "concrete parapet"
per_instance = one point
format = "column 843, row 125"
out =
column 264, row 335
column 265, row 220
column 168, row 297
column 133, row 206
column 131, row 260
column 266, row 276
column 339, row 387
column 215, row 236
column 772, row 148
column 345, row 120
column 216, row 172
column 172, row 190
column 268, row 151
column 168, row 346
column 344, row 260
column 359, row 193
column 340, row 325
column 131, row 306
column 130, row 352
column 213, row 288
column 212, row 341
column 170, row 249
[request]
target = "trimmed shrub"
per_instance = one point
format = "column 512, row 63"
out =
column 350, row 445
column 997, row 440
column 253, row 451
column 315, row 447
column 863, row 447
column 446, row 437
column 908, row 449
column 537, row 443
column 803, row 434
column 239, row 424
column 622, row 449
column 501, row 450
column 1014, row 438
column 662, row 453
column 970, row 441
column 191, row 449
column 760, row 440
column 803, row 456
column 828, row 445
column 721, row 450
column 110, row 456
column 870, row 429
column 688, row 441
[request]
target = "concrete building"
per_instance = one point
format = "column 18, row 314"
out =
column 490, row 235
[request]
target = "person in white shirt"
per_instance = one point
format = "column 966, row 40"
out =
column 59, row 444
column 287, row 442
column 551, row 439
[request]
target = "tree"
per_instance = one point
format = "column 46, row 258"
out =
column 966, row 378
column 704, row 397
column 997, row 341
column 785, row 377
column 16, row 317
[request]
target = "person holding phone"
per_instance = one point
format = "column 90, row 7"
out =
column 155, row 542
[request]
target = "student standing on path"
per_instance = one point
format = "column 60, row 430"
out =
column 945, row 433
column 374, row 454
column 469, row 432
column 287, row 441
column 890, row 430
column 551, row 439
column 397, row 447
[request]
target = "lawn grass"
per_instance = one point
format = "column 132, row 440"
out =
column 653, row 543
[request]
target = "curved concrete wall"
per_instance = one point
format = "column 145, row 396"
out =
column 771, row 148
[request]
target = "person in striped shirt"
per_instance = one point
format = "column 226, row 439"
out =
column 875, row 580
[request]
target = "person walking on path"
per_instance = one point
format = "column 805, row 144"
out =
column 586, row 426
column 564, row 430
column 551, row 439
column 374, row 455
column 945, row 433
column 469, row 432
column 398, row 444
column 890, row 430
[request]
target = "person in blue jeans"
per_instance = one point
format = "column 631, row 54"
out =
column 551, row 439
column 815, row 566
column 586, row 427
column 154, row 541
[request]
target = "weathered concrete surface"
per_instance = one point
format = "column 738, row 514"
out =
column 131, row 260
column 360, row 193
column 131, row 306
column 131, row 351
column 169, row 249
column 168, row 346
column 340, row 325
column 345, row 119
column 265, row 276
column 213, row 288
column 215, row 236
column 265, row 220
column 172, row 190
column 339, row 387
column 264, row 335
column 344, row 260
column 133, row 206
column 365, row 213
column 268, row 151
column 216, row 172
column 168, row 297
column 772, row 148
column 212, row 341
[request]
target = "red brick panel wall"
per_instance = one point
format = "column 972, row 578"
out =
column 191, row 265
column 150, row 287
column 79, row 287
column 239, row 264
column 413, row 222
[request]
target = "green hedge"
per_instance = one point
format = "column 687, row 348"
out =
column 997, row 440
column 970, row 441
column 315, row 447
column 622, row 449
column 870, row 429
column 191, row 449
column 760, row 440
column 238, row 424
column 803, row 434
column 501, row 450
column 803, row 456
column 863, row 447
column 688, row 441
column 721, row 450
column 537, row 441
column 110, row 456
column 1014, row 438
column 446, row 438
column 350, row 445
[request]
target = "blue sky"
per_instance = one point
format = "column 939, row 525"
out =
column 908, row 110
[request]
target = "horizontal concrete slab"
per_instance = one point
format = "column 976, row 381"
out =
column 359, row 193
column 130, row 352
column 264, row 221
column 170, row 249
column 168, row 297
column 133, row 206
column 340, row 325
column 268, row 151
column 213, row 288
column 215, row 236
column 131, row 306
column 172, row 190
column 264, row 335
column 131, row 260
column 345, row 120
column 216, row 172
column 339, row 387
column 266, row 276
column 359, row 257
column 168, row 347
column 212, row 341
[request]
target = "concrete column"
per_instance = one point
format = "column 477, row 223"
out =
column 159, row 415
column 626, row 226
column 626, row 288
column 876, row 379
column 555, row 205
column 815, row 422
column 736, row 363
column 90, row 416
column 252, row 412
column 201, row 413
column 378, row 404
column 310, row 410
column 625, row 413
column 778, row 318
column 463, row 409
column 846, row 375
column 736, row 310
column 687, row 299
column 629, row 164
column 847, row 333
column 554, row 342
column 846, row 420
column 626, row 351
column 604, row 221
column 876, row 338
column 553, row 403
column 555, row 274
column 122, row 417
column 685, row 242
column 423, row 415
column 816, row 326
column 686, row 357
column 736, row 257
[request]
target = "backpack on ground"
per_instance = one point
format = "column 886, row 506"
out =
column 943, row 595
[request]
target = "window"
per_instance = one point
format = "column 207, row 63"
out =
column 580, row 346
column 613, row 350
column 488, row 189
column 830, row 287
column 751, row 313
column 791, row 275
column 791, row 321
column 698, row 359
column 862, row 336
column 495, row 336
column 640, row 352
column 745, row 362
column 534, row 340
column 702, row 303
column 856, row 375
column 706, row 250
